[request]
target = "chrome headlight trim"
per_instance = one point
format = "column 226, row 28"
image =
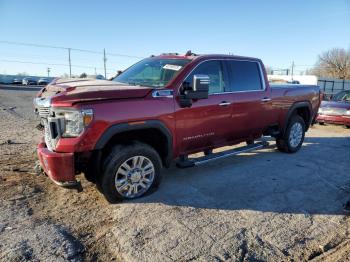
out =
column 42, row 102
column 73, row 120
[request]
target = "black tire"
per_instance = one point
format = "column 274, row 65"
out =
column 321, row 123
column 90, row 176
column 347, row 126
column 117, row 156
column 283, row 143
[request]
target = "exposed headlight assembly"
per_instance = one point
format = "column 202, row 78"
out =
column 347, row 113
column 73, row 121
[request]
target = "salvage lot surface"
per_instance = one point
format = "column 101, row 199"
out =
column 263, row 205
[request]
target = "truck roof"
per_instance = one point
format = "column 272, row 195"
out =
column 205, row 56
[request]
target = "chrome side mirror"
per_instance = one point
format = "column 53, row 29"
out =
column 200, row 87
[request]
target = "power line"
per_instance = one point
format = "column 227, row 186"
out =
column 67, row 48
column 51, row 64
column 30, row 44
column 129, row 56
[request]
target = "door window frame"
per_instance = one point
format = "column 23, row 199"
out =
column 261, row 76
column 227, row 75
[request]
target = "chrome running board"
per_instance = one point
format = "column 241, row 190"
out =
column 190, row 162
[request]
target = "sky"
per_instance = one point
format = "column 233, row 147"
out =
column 278, row 32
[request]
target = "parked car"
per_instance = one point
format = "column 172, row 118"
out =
column 28, row 81
column 43, row 81
column 121, row 133
column 17, row 81
column 100, row 77
column 336, row 110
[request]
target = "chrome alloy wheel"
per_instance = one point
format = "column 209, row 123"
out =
column 134, row 177
column 296, row 134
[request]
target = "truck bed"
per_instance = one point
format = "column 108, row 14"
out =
column 284, row 96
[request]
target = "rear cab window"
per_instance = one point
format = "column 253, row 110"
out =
column 244, row 76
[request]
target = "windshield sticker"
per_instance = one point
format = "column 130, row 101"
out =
column 172, row 67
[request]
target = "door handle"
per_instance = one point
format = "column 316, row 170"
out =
column 224, row 103
column 266, row 99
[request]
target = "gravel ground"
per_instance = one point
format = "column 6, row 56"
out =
column 263, row 205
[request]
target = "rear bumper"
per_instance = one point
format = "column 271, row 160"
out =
column 59, row 167
column 342, row 120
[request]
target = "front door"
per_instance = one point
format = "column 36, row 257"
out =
column 205, row 123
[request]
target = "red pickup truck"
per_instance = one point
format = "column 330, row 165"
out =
column 120, row 133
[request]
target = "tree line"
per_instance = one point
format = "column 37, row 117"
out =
column 334, row 63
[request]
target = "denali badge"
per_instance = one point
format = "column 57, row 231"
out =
column 198, row 136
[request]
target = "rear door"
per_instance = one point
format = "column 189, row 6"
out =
column 251, row 101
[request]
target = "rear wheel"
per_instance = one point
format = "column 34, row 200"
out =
column 347, row 126
column 321, row 123
column 130, row 171
column 293, row 137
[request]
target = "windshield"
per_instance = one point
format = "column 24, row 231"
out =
column 152, row 72
column 342, row 96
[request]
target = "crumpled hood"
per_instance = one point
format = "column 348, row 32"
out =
column 80, row 90
column 335, row 104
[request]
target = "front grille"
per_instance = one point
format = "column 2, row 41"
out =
column 334, row 111
column 44, row 111
column 42, row 106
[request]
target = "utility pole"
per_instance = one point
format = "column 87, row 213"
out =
column 70, row 64
column 292, row 69
column 95, row 72
column 104, row 62
column 48, row 71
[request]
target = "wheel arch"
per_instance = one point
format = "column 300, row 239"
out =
column 303, row 109
column 151, row 132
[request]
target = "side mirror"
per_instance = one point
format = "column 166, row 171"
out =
column 198, row 90
column 200, row 87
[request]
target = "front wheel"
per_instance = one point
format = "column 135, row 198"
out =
column 130, row 171
column 293, row 138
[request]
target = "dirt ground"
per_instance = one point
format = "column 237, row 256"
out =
column 264, row 205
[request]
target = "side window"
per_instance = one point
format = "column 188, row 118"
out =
column 214, row 70
column 245, row 76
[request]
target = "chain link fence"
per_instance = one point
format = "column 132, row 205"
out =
column 333, row 86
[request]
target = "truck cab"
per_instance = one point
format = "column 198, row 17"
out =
column 122, row 132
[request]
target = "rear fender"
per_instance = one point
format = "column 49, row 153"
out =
column 293, row 109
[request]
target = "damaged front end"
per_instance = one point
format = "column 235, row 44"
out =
column 59, row 167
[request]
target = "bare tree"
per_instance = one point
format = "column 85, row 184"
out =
column 334, row 63
column 83, row 75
